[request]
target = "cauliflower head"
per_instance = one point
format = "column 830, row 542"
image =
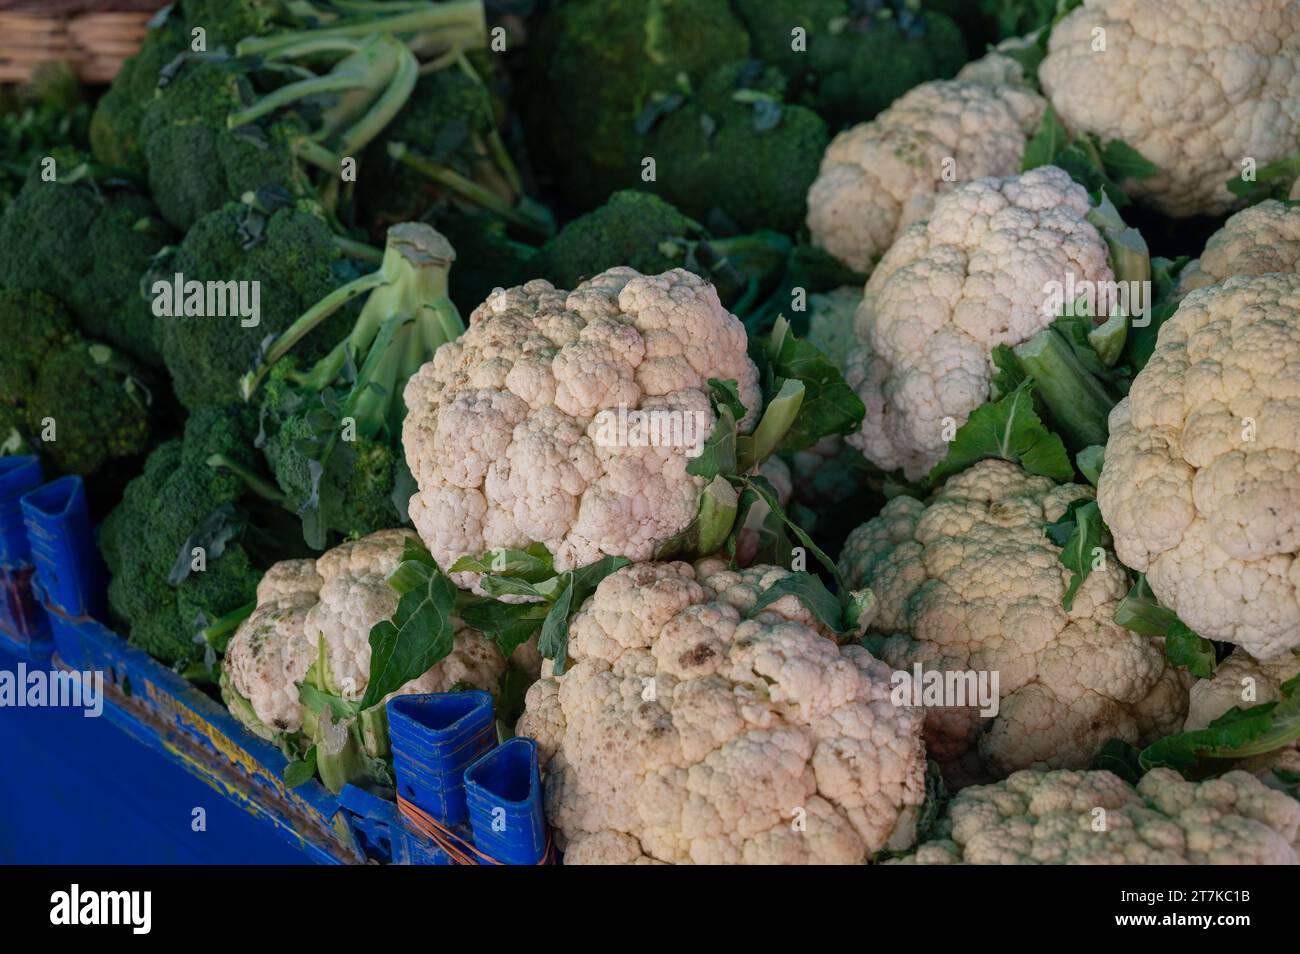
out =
column 685, row 731
column 505, row 435
column 1095, row 818
column 973, row 276
column 1195, row 86
column 336, row 598
column 879, row 177
column 969, row 582
column 1255, row 241
column 1201, row 484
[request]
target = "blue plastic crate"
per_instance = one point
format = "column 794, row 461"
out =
column 504, row 793
column 22, row 619
column 435, row 737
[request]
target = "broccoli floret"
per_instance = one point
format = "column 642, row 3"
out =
column 860, row 55
column 86, row 239
column 291, row 254
column 51, row 374
column 596, row 67
column 633, row 228
column 335, row 428
column 734, row 145
column 181, row 502
column 343, row 487
column 197, row 164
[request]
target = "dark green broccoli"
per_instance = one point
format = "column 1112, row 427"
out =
column 596, row 68
column 443, row 150
column 86, row 239
column 332, row 432
column 196, row 164
column 179, row 546
column 486, row 256
column 295, row 260
column 734, row 145
column 115, row 126
column 642, row 230
column 857, row 56
column 45, row 113
column 210, row 134
column 79, row 403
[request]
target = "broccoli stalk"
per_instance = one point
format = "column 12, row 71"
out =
column 334, row 428
column 370, row 85
column 406, row 317
column 442, row 30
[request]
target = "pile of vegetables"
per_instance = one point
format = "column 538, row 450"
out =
column 683, row 373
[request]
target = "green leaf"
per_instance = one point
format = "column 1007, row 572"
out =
column 829, row 405
column 719, row 453
column 1120, row 758
column 709, row 530
column 531, row 564
column 1139, row 612
column 554, row 640
column 301, row 771
column 812, row 593
column 1122, row 161
column 1082, row 526
column 418, row 635
column 1272, row 180
column 1188, row 650
column 763, row 490
column 1008, row 429
column 1046, row 143
column 1237, row 734
column 1009, row 376
column 507, row 624
column 510, row 696
column 1089, row 461
column 317, row 700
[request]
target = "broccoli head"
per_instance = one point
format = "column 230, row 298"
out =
column 859, row 55
column 633, row 228
column 196, row 163
column 89, row 396
column 596, row 68
column 85, row 238
column 347, row 489
column 46, row 113
column 734, row 145
column 295, row 260
column 161, row 588
column 115, row 127
column 487, row 257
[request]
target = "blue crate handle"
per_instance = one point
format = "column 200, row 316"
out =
column 18, row 475
column 434, row 737
column 69, row 571
column 503, row 790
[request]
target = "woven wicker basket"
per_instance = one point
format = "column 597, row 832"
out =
column 95, row 36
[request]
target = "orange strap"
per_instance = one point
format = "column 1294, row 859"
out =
column 460, row 850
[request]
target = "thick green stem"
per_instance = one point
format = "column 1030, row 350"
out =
column 359, row 250
column 469, row 190
column 382, row 111
column 459, row 23
column 778, row 416
column 293, row 92
column 317, row 155
column 1078, row 402
column 312, row 317
column 254, row 481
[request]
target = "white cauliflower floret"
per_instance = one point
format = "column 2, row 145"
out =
column 684, row 731
column 879, row 177
column 1195, row 86
column 336, row 598
column 973, row 276
column 970, row 582
column 267, row 656
column 502, row 433
column 1255, row 241
column 1094, row 818
column 1201, row 484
